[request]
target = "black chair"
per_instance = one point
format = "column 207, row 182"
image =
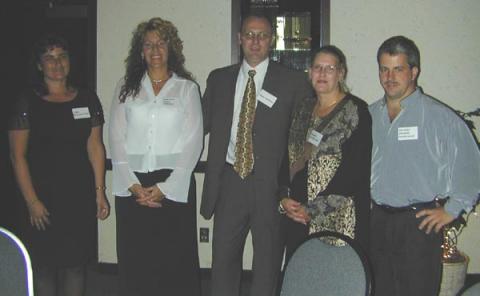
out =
column 318, row 268
column 15, row 266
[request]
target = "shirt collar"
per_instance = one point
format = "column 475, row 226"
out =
column 147, row 85
column 260, row 69
column 409, row 100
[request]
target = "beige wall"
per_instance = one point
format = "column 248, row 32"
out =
column 439, row 27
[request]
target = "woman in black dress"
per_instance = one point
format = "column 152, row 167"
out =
column 59, row 162
column 156, row 137
column 329, row 154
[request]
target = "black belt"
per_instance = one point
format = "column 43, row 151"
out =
column 409, row 208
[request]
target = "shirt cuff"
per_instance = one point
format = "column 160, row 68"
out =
column 282, row 192
column 454, row 207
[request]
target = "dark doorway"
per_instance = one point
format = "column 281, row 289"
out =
column 23, row 22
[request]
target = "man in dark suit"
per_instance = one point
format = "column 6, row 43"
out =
column 245, row 157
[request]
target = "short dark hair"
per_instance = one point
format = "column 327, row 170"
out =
column 341, row 61
column 257, row 16
column 401, row 44
column 43, row 45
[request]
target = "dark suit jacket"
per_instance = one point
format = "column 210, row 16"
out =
column 270, row 130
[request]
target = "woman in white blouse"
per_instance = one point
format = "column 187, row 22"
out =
column 156, row 137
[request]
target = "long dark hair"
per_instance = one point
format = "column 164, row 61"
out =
column 135, row 65
column 44, row 44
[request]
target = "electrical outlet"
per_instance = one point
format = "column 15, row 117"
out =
column 204, row 235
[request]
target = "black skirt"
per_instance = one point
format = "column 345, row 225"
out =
column 157, row 247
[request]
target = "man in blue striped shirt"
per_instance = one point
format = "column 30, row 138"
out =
column 425, row 173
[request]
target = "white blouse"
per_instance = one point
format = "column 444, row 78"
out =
column 149, row 133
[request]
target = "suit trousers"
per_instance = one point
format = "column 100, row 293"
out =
column 405, row 260
column 239, row 209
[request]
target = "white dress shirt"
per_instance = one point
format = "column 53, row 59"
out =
column 151, row 132
column 261, row 71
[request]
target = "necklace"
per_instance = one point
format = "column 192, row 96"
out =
column 321, row 111
column 157, row 81
column 329, row 105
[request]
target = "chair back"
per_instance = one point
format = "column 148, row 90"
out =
column 317, row 268
column 472, row 291
column 15, row 266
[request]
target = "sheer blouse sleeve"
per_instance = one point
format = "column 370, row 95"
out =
column 122, row 175
column 177, row 185
column 20, row 113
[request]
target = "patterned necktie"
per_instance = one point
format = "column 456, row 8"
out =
column 244, row 148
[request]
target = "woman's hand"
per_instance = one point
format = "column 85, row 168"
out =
column 295, row 210
column 138, row 191
column 103, row 208
column 38, row 215
column 153, row 198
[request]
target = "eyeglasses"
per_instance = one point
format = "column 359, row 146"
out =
column 150, row 45
column 328, row 69
column 260, row 35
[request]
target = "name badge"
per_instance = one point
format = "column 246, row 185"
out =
column 314, row 137
column 408, row 133
column 81, row 113
column 169, row 101
column 267, row 98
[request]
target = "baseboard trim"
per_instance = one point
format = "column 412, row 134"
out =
column 112, row 268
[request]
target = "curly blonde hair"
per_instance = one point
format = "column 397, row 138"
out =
column 135, row 65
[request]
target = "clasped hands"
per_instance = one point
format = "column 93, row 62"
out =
column 295, row 210
column 147, row 196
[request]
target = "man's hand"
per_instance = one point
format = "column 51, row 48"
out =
column 435, row 219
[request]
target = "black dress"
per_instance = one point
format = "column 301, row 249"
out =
column 61, row 174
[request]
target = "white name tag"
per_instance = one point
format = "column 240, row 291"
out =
column 169, row 101
column 408, row 133
column 267, row 98
column 81, row 113
column 314, row 137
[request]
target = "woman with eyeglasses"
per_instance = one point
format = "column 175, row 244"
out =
column 156, row 137
column 329, row 154
column 58, row 157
